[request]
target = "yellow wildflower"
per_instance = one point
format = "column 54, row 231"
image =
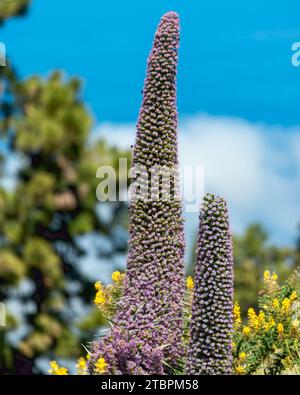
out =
column 293, row 296
column 251, row 313
column 98, row 285
column 233, row 345
column 100, row 366
column 57, row 370
column 275, row 303
column 54, row 367
column 100, row 298
column 274, row 277
column 116, row 276
column 237, row 313
column 240, row 369
column 261, row 317
column 280, row 329
column 270, row 324
column 242, row 356
column 266, row 276
column 246, row 330
column 253, row 318
column 81, row 366
column 286, row 304
column 190, row 283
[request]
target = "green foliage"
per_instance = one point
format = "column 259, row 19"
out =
column 39, row 255
column 12, row 269
column 53, row 115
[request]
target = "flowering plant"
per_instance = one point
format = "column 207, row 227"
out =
column 158, row 326
column 268, row 341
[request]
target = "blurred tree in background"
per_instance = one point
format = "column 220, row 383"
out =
column 45, row 207
column 252, row 255
column 10, row 8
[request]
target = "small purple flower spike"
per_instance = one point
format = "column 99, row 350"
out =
column 211, row 326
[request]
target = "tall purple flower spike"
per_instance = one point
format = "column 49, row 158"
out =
column 211, row 326
column 150, row 312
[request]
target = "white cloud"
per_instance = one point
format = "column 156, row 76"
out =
column 255, row 166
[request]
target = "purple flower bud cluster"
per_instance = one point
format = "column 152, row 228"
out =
column 126, row 354
column 211, row 326
column 150, row 310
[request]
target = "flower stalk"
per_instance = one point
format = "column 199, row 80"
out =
column 212, row 313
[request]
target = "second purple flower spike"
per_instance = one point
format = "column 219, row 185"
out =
column 211, row 326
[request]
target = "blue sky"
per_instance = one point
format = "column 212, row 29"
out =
column 238, row 94
column 234, row 57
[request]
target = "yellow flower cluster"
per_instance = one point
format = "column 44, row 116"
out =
column 100, row 297
column 190, row 283
column 57, row 370
column 106, row 296
column 293, row 296
column 257, row 322
column 285, row 304
column 274, row 277
column 240, row 369
column 246, row 330
column 242, row 356
column 254, row 320
column 270, row 324
column 237, row 314
column 117, row 277
column 100, row 366
column 81, row 366
column 261, row 317
column 270, row 280
column 275, row 303
column 280, row 329
column 268, row 277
